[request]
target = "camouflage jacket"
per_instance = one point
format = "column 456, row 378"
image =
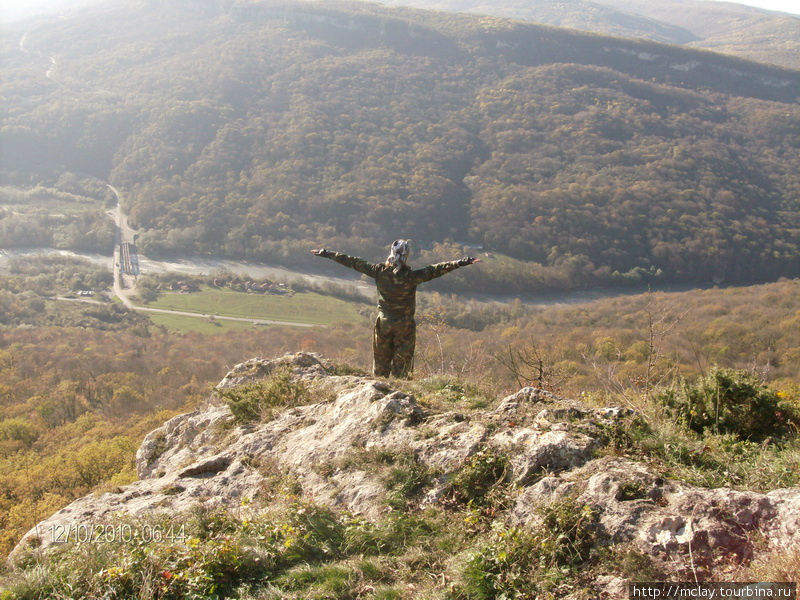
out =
column 396, row 291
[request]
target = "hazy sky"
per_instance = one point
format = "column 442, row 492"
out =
column 789, row 6
column 11, row 10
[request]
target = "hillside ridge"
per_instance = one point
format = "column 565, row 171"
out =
column 734, row 29
column 259, row 130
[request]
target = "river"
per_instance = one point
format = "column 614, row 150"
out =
column 208, row 265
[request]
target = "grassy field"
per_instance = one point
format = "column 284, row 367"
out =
column 305, row 307
column 44, row 201
column 181, row 323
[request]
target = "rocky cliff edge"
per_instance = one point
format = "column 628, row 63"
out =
column 555, row 448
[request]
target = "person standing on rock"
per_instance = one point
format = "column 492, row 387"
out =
column 394, row 337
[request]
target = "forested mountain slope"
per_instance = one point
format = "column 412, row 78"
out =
column 259, row 130
column 744, row 31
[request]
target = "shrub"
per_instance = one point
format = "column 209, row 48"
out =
column 504, row 567
column 720, row 460
column 570, row 532
column 481, row 473
column 258, row 401
column 730, row 401
column 207, row 523
column 140, row 568
column 522, row 563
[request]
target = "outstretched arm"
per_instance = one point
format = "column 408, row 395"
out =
column 439, row 269
column 359, row 264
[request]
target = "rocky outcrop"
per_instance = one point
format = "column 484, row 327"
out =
column 680, row 526
column 554, row 448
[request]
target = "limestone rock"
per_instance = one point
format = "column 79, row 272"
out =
column 303, row 364
column 676, row 524
column 322, row 449
column 205, row 456
column 535, row 452
column 181, row 439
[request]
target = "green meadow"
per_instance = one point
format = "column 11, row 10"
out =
column 198, row 324
column 303, row 307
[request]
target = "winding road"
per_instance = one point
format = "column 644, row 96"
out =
column 125, row 285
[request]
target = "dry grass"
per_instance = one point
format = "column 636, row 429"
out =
column 779, row 565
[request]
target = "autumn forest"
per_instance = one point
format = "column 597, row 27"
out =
column 648, row 195
column 258, row 131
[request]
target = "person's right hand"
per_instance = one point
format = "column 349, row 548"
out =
column 318, row 252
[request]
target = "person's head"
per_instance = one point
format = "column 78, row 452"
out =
column 398, row 254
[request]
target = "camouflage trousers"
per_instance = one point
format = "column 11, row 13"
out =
column 393, row 347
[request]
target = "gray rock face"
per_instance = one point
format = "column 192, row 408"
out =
column 676, row 524
column 319, row 448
